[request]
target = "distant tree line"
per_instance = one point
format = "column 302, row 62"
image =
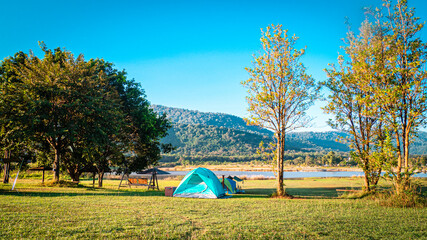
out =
column 291, row 158
column 72, row 114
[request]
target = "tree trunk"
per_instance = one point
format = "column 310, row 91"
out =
column 56, row 166
column 100, row 177
column 398, row 182
column 74, row 174
column 6, row 172
column 280, row 153
column 406, row 162
column 367, row 187
column 374, row 182
column 6, row 167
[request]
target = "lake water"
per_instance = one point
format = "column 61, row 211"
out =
column 251, row 174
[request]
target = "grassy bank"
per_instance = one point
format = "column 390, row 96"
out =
column 38, row 211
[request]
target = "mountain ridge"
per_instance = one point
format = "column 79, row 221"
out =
column 194, row 117
column 201, row 133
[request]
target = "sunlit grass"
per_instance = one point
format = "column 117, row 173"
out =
column 39, row 211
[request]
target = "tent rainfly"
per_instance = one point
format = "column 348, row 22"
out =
column 200, row 183
column 230, row 185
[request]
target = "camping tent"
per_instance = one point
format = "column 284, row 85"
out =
column 239, row 188
column 200, row 183
column 229, row 185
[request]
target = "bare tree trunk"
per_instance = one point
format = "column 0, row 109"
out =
column 399, row 165
column 56, row 166
column 406, row 160
column 367, row 186
column 377, row 178
column 6, row 172
column 280, row 153
column 6, row 167
column 74, row 174
column 100, row 178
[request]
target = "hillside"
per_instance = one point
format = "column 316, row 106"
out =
column 192, row 117
column 211, row 140
column 197, row 133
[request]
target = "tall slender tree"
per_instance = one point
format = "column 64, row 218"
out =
column 350, row 100
column 279, row 90
column 403, row 94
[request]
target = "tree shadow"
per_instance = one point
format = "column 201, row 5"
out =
column 304, row 193
column 321, row 192
column 103, row 192
column 255, row 193
column 307, row 193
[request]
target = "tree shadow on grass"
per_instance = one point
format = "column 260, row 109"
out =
column 313, row 192
column 305, row 193
column 255, row 193
column 102, row 192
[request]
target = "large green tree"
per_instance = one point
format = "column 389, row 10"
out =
column 98, row 117
column 403, row 94
column 65, row 97
column 82, row 114
column 13, row 133
column 351, row 101
column 143, row 128
column 279, row 90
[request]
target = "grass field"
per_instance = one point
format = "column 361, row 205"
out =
column 37, row 211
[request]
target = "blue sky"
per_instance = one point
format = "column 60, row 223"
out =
column 186, row 54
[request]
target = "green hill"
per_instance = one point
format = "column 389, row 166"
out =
column 192, row 117
column 219, row 135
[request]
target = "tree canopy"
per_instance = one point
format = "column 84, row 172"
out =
column 78, row 114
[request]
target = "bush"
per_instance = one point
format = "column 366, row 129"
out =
column 404, row 200
column 414, row 196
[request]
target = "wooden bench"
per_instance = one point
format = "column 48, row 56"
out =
column 137, row 182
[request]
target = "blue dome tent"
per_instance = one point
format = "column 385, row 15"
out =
column 200, row 183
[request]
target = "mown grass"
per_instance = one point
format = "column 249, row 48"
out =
column 38, row 211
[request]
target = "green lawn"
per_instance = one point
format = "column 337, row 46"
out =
column 37, row 211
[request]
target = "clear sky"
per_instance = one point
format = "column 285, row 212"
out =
column 186, row 54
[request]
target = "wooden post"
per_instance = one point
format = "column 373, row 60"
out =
column 43, row 176
column 151, row 180
column 223, row 181
column 157, row 182
column 121, row 180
